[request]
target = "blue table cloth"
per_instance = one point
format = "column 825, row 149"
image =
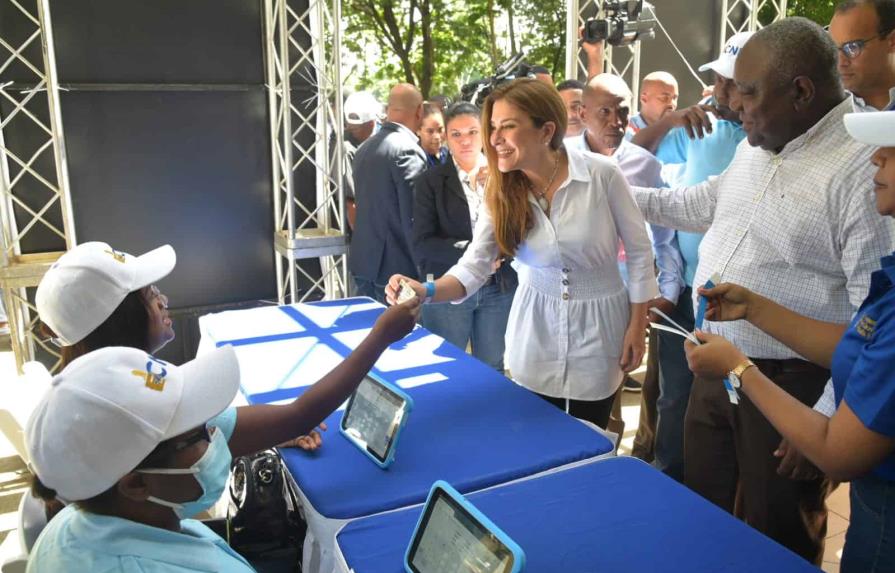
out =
column 615, row 515
column 470, row 425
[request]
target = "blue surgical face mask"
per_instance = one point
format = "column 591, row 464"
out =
column 211, row 471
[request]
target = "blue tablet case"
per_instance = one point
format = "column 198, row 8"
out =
column 512, row 546
column 407, row 408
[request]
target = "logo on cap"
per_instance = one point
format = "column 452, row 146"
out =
column 866, row 327
column 154, row 380
column 117, row 255
column 733, row 50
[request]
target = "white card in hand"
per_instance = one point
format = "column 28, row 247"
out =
column 405, row 292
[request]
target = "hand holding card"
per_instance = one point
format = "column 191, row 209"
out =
column 405, row 292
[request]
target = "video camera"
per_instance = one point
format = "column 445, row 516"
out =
column 514, row 68
column 625, row 22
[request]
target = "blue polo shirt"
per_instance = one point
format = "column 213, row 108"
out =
column 863, row 365
column 77, row 540
column 701, row 159
column 665, row 152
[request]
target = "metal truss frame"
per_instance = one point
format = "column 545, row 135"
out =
column 302, row 48
column 622, row 61
column 742, row 16
column 22, row 170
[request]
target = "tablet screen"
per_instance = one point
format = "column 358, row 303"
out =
column 451, row 540
column 373, row 417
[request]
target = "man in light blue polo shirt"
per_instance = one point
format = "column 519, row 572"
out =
column 702, row 139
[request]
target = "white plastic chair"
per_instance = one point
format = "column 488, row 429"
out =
column 31, row 521
column 24, row 393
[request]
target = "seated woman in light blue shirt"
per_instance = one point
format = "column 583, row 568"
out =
column 139, row 446
column 858, row 443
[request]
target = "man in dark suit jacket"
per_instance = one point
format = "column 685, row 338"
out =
column 384, row 169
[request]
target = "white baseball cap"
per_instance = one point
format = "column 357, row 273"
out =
column 110, row 408
column 723, row 66
column 873, row 127
column 85, row 286
column 361, row 107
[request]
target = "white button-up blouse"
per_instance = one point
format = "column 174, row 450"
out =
column 570, row 312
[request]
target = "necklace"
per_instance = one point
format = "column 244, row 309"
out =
column 543, row 203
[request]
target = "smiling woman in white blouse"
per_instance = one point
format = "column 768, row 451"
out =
column 574, row 327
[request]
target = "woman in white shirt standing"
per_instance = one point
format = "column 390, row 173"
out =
column 574, row 328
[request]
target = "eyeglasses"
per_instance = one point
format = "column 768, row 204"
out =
column 153, row 294
column 169, row 448
column 854, row 48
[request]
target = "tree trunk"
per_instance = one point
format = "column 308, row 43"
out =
column 428, row 68
column 491, row 34
column 512, row 26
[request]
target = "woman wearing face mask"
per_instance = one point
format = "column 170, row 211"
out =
column 857, row 443
column 574, row 327
column 431, row 134
column 95, row 297
column 447, row 201
column 131, row 441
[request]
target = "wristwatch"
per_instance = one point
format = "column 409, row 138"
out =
column 735, row 376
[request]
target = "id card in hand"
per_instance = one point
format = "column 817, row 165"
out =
column 703, row 301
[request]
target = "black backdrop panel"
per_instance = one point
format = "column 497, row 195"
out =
column 187, row 168
column 158, row 41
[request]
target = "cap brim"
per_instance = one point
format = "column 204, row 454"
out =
column 874, row 128
column 153, row 266
column 719, row 67
column 210, row 383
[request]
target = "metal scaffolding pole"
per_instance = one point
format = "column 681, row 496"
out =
column 34, row 190
column 622, row 61
column 302, row 48
column 743, row 16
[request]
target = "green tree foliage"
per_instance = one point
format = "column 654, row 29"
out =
column 388, row 40
column 543, row 35
column 821, row 11
column 441, row 44
column 435, row 44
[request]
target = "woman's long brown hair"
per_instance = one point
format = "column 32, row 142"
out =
column 506, row 194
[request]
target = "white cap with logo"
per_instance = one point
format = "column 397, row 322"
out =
column 873, row 127
column 85, row 286
column 723, row 66
column 110, row 408
column 361, row 107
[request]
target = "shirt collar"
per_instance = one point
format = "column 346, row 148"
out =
column 888, row 266
column 578, row 170
column 586, row 145
column 404, row 128
column 832, row 120
column 480, row 162
column 860, row 105
column 196, row 547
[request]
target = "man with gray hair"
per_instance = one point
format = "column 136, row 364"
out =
column 792, row 219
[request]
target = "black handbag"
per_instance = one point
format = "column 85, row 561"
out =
column 264, row 520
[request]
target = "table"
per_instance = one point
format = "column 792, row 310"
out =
column 614, row 515
column 470, row 425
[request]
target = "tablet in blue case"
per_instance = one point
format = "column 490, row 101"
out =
column 453, row 536
column 373, row 420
